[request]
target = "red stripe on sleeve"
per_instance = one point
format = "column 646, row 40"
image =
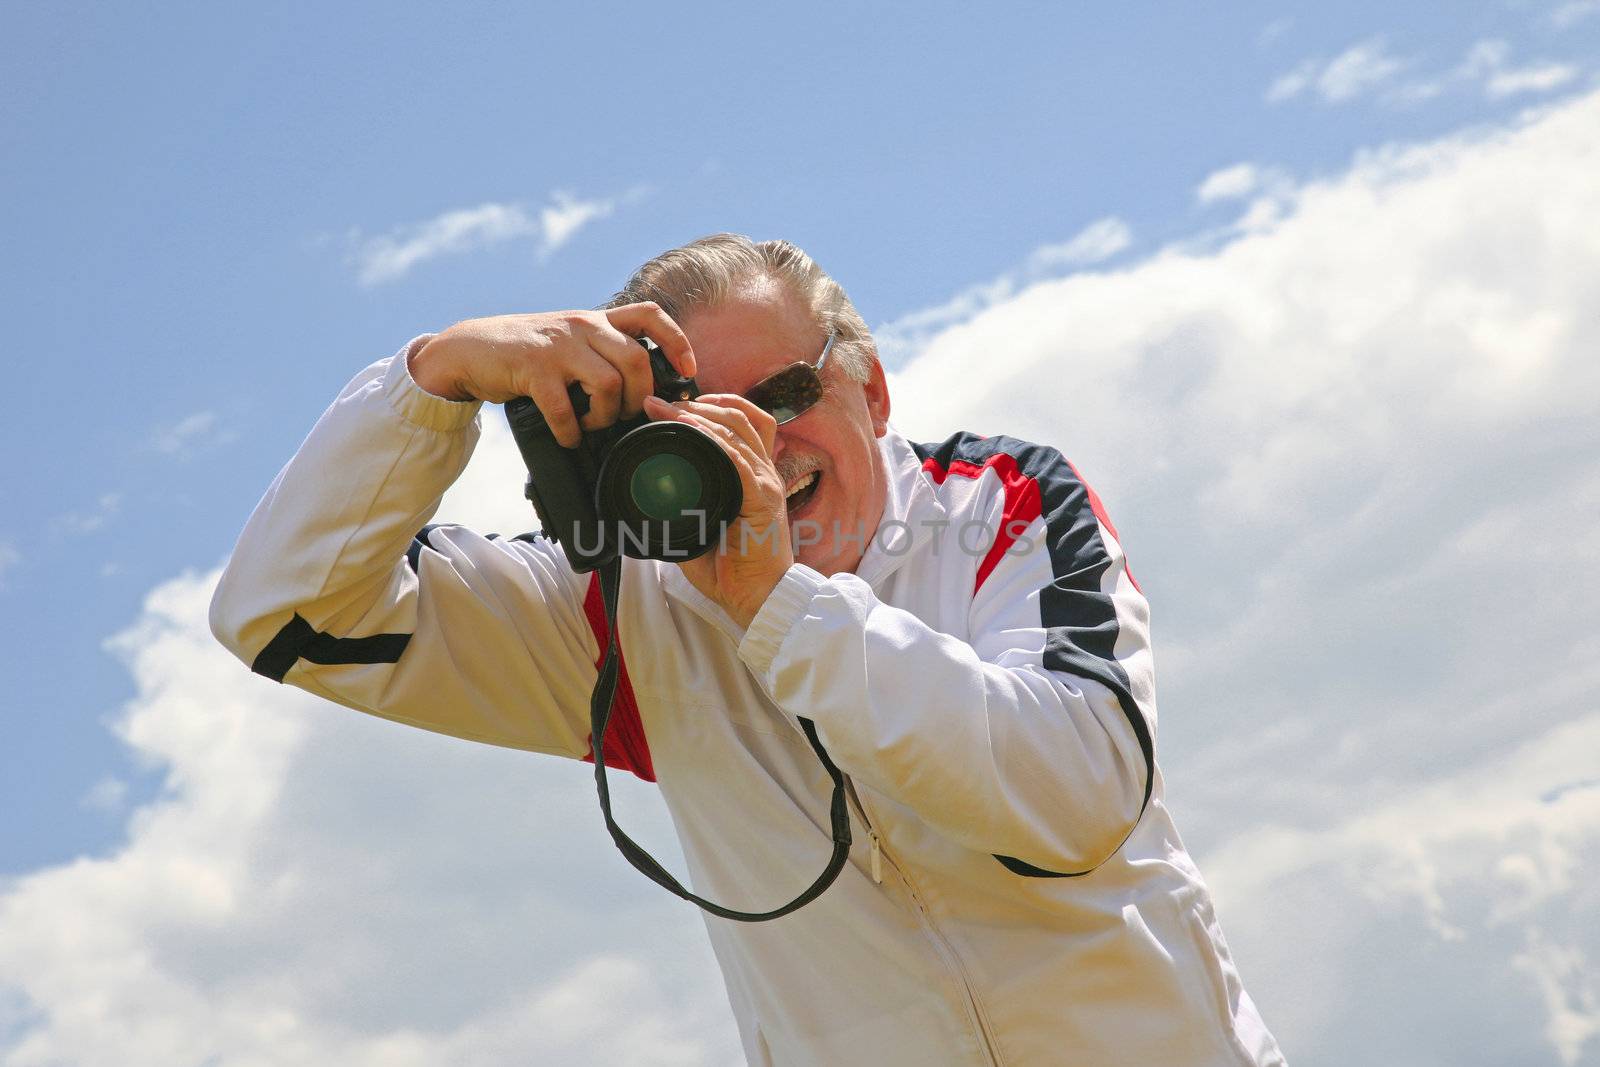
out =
column 1023, row 503
column 626, row 748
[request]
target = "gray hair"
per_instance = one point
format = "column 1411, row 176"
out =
column 706, row 272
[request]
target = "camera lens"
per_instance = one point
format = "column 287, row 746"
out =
column 665, row 491
column 664, row 486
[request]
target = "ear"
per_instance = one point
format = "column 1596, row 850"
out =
column 876, row 390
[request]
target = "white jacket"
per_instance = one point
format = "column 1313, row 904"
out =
column 985, row 680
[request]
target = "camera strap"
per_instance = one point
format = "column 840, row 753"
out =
column 605, row 690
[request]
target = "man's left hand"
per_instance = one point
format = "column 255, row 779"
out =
column 755, row 552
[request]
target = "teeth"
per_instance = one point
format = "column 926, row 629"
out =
column 804, row 481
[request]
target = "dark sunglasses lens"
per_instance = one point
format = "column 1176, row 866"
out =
column 787, row 393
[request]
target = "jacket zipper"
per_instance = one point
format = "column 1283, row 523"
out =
column 943, row 947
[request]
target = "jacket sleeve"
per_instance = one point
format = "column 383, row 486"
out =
column 335, row 587
column 1032, row 738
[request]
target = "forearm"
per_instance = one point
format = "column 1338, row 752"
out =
column 1010, row 760
column 341, row 513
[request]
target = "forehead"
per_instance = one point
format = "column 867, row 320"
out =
column 760, row 328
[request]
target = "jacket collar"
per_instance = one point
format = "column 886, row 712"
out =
column 911, row 510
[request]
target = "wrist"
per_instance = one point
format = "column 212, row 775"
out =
column 430, row 367
column 749, row 604
column 786, row 605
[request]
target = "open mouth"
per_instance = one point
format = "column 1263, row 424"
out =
column 802, row 491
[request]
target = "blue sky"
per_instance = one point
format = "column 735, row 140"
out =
column 216, row 214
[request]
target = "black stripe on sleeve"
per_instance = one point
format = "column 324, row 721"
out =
column 300, row 640
column 419, row 542
column 1080, row 620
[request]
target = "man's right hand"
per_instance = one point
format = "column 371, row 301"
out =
column 539, row 355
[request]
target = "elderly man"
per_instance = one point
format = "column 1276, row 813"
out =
column 957, row 620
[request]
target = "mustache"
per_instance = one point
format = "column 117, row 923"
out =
column 790, row 467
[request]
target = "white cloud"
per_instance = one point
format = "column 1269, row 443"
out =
column 1229, row 183
column 1273, row 30
column 384, row 259
column 1290, row 85
column 1100, row 240
column 1568, row 986
column 184, row 437
column 566, row 216
column 1539, row 78
column 1367, row 69
column 1357, row 70
column 1351, row 456
column 1484, row 68
column 105, row 795
column 106, row 506
column 1570, row 14
column 900, row 339
column 172, row 439
column 1484, row 58
column 9, row 558
column 1476, row 867
column 1485, row 65
column 391, row 256
column 313, row 886
column 1095, row 243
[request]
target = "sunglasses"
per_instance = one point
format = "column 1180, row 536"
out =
column 792, row 391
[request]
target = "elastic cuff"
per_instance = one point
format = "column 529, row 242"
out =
column 784, row 607
column 414, row 403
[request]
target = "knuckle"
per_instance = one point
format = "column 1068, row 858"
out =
column 635, row 359
column 552, row 399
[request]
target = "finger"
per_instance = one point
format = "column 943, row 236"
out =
column 631, row 361
column 739, row 448
column 763, row 492
column 603, row 383
column 549, row 395
column 647, row 318
column 720, row 432
column 760, row 420
column 734, row 419
column 755, row 494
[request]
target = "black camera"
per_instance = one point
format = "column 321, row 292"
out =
column 647, row 490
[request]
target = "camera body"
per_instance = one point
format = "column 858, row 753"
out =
column 637, row 488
